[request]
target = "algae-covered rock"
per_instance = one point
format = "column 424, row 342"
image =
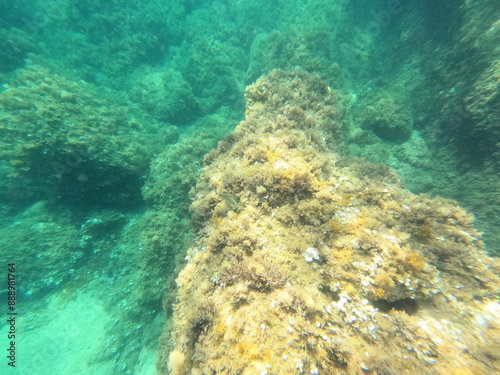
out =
column 483, row 104
column 214, row 70
column 381, row 113
column 72, row 141
column 45, row 245
column 14, row 46
column 311, row 49
column 309, row 262
column 167, row 96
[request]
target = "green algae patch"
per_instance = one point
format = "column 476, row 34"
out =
column 74, row 142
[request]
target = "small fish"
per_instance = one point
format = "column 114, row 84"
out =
column 230, row 201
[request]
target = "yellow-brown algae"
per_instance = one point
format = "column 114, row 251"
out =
column 323, row 264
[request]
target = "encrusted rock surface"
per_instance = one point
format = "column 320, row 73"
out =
column 390, row 283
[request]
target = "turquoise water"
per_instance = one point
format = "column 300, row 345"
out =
column 107, row 109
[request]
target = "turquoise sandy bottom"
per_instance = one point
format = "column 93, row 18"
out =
column 68, row 334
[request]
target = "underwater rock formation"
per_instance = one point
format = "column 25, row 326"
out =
column 381, row 113
column 483, row 104
column 72, row 141
column 309, row 262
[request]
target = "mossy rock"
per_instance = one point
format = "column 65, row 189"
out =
column 384, row 116
column 71, row 141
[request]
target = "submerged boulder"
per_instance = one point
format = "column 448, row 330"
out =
column 384, row 116
column 73, row 142
column 310, row 262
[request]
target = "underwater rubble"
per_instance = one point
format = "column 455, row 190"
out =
column 310, row 262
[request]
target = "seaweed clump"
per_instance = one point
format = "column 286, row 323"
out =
column 396, row 283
